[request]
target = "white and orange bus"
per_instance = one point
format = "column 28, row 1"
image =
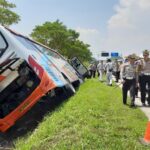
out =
column 28, row 71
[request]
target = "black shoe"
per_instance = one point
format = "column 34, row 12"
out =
column 132, row 105
column 125, row 103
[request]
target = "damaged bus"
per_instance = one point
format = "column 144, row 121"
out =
column 28, row 71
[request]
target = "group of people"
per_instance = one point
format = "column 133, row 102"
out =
column 134, row 74
column 108, row 68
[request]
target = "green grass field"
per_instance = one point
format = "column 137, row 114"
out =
column 93, row 119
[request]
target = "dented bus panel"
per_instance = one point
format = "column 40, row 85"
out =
column 27, row 74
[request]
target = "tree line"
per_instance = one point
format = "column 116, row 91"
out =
column 52, row 34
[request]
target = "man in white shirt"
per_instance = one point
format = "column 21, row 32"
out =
column 109, row 69
column 100, row 68
column 129, row 79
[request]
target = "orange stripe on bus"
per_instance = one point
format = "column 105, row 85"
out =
column 2, row 77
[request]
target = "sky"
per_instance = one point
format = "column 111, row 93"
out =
column 106, row 25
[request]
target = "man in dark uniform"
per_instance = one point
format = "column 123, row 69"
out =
column 138, row 74
column 129, row 79
column 144, row 70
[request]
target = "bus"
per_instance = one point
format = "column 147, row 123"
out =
column 28, row 71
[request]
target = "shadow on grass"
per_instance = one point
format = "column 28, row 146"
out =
column 32, row 118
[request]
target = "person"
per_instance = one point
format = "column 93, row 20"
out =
column 93, row 68
column 90, row 70
column 100, row 68
column 129, row 79
column 116, row 70
column 109, row 69
column 138, row 76
column 144, row 70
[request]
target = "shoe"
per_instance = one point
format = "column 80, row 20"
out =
column 125, row 103
column 143, row 104
column 132, row 105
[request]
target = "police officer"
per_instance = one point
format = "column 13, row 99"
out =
column 109, row 69
column 93, row 68
column 129, row 79
column 138, row 76
column 100, row 68
column 116, row 69
column 144, row 70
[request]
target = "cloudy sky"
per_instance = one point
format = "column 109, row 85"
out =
column 107, row 25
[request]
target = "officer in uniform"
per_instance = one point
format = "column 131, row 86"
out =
column 116, row 69
column 109, row 69
column 138, row 75
column 144, row 70
column 129, row 79
column 100, row 68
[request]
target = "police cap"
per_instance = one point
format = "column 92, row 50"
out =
column 132, row 56
column 146, row 52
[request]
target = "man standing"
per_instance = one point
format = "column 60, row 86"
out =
column 144, row 69
column 116, row 70
column 109, row 69
column 129, row 79
column 93, row 70
column 90, row 70
column 100, row 68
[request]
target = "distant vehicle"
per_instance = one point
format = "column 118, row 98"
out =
column 28, row 71
column 79, row 67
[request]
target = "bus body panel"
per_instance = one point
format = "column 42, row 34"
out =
column 45, row 85
column 16, row 49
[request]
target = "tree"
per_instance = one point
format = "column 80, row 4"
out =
column 56, row 36
column 7, row 17
column 53, row 34
column 80, row 50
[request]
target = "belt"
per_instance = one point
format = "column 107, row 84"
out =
column 129, row 78
column 146, row 74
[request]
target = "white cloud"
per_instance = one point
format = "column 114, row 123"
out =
column 128, row 30
column 87, row 31
column 129, row 27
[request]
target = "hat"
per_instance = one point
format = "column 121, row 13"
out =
column 132, row 56
column 135, row 56
column 146, row 52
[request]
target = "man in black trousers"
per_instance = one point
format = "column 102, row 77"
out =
column 129, row 79
column 144, row 69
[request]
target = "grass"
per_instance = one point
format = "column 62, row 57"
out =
column 92, row 119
